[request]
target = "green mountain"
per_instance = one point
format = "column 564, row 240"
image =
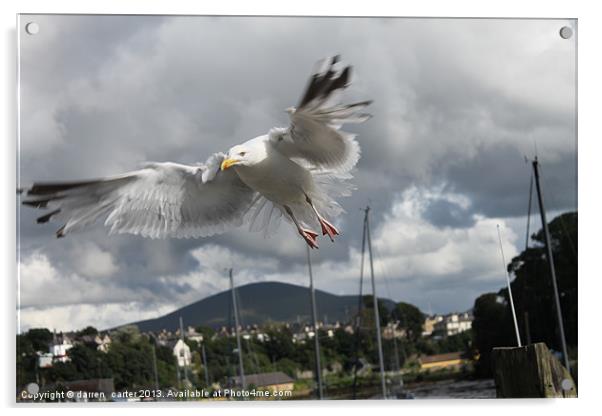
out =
column 259, row 303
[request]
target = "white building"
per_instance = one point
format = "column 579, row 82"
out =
column 59, row 347
column 182, row 353
column 45, row 360
column 393, row 330
column 429, row 323
column 103, row 343
column 193, row 335
column 453, row 324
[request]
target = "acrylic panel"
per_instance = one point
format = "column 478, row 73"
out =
column 293, row 208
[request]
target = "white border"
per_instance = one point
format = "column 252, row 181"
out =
column 589, row 207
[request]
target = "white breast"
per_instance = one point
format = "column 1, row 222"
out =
column 278, row 179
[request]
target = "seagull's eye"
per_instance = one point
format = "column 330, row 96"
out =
column 242, row 153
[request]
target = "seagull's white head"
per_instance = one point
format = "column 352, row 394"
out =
column 246, row 154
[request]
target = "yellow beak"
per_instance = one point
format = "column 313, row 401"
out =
column 227, row 163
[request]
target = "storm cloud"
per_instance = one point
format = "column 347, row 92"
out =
column 458, row 104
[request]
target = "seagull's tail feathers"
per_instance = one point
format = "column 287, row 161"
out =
column 264, row 216
column 329, row 186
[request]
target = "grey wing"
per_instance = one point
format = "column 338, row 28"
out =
column 314, row 133
column 158, row 201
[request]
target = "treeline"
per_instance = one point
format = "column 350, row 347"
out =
column 280, row 353
column 533, row 297
column 129, row 359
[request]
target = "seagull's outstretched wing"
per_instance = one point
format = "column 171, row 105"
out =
column 160, row 200
column 314, row 134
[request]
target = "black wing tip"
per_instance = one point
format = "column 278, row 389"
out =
column 323, row 83
column 364, row 103
column 36, row 204
column 342, row 81
column 42, row 188
column 39, row 201
column 60, row 233
column 45, row 218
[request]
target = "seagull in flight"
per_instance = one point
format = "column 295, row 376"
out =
column 293, row 173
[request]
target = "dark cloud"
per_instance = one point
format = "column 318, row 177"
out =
column 457, row 104
column 444, row 213
column 497, row 181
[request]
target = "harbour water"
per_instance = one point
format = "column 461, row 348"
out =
column 444, row 389
column 454, row 389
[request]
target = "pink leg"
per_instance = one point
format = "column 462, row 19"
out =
column 308, row 235
column 327, row 228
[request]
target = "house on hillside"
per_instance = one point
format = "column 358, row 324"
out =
column 276, row 381
column 453, row 324
column 428, row 326
column 393, row 330
column 181, row 351
column 103, row 342
column 44, row 359
column 349, row 329
column 100, row 342
column 60, row 345
column 193, row 335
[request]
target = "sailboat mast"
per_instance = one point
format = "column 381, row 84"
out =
column 204, row 357
column 550, row 256
column 509, row 286
column 358, row 321
column 241, row 368
column 156, row 377
column 314, row 314
column 376, row 313
column 185, row 361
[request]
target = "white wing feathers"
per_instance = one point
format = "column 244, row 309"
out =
column 172, row 200
column 160, row 200
column 314, row 134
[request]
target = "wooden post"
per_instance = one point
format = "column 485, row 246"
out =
column 530, row 372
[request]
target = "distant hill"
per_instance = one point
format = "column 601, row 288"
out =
column 259, row 303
